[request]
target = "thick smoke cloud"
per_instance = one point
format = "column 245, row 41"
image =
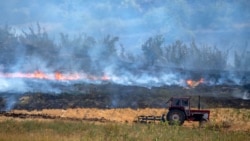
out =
column 129, row 42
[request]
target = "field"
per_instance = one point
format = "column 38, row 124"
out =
column 93, row 86
column 118, row 124
column 109, row 112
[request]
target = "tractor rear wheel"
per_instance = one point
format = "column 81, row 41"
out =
column 175, row 117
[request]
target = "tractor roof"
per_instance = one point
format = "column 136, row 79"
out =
column 178, row 97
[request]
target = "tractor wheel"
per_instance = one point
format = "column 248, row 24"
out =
column 175, row 117
column 202, row 123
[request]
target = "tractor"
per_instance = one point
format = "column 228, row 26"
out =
column 179, row 110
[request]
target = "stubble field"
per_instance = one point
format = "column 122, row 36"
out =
column 119, row 124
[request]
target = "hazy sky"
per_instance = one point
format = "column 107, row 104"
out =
column 223, row 22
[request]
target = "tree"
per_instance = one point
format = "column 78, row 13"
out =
column 109, row 49
column 152, row 50
column 176, row 54
column 241, row 59
column 76, row 49
column 8, row 46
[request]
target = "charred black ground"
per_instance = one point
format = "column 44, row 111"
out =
column 118, row 96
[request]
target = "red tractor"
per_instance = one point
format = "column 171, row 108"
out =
column 179, row 111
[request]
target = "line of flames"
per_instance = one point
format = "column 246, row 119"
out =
column 54, row 76
column 74, row 76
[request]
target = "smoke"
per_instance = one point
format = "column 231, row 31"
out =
column 12, row 85
column 143, row 43
column 246, row 95
column 219, row 22
column 241, row 94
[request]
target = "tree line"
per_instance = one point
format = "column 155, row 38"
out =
column 34, row 48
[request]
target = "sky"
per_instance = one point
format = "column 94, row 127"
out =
column 218, row 22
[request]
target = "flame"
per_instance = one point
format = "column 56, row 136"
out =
column 40, row 75
column 193, row 84
column 105, row 78
column 57, row 76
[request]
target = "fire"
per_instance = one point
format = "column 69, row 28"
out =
column 193, row 84
column 57, row 76
column 39, row 75
column 105, row 78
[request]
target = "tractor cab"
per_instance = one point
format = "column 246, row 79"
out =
column 181, row 103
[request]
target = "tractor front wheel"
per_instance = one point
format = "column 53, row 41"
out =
column 175, row 117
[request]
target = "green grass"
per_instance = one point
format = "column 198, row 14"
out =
column 74, row 130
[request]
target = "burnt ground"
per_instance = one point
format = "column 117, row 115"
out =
column 108, row 95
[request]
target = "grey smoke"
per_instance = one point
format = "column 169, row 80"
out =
column 144, row 43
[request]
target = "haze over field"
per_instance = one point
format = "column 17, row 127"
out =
column 148, row 43
column 216, row 22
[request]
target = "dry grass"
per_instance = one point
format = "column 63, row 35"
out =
column 225, row 124
column 30, row 130
column 233, row 119
column 228, row 118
